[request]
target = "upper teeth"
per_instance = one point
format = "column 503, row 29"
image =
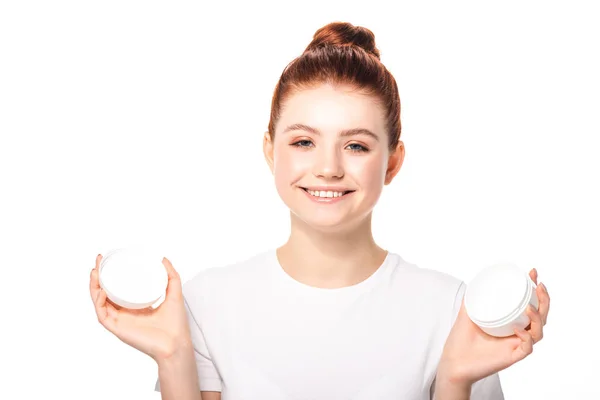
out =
column 322, row 193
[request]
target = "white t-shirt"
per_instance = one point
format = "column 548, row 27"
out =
column 260, row 334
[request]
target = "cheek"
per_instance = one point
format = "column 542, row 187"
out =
column 289, row 165
column 370, row 174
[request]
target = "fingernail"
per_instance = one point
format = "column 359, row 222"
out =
column 543, row 287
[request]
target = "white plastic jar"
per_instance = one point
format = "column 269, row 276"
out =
column 496, row 299
column 133, row 277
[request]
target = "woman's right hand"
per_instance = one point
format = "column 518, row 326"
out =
column 160, row 332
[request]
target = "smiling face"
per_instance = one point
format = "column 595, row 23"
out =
column 330, row 156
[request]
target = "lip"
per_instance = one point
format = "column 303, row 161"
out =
column 327, row 200
column 327, row 188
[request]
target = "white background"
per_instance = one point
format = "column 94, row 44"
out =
column 128, row 122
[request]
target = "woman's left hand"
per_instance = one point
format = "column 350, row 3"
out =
column 471, row 354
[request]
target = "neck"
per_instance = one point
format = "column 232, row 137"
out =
column 330, row 259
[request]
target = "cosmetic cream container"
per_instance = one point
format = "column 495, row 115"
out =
column 496, row 299
column 133, row 277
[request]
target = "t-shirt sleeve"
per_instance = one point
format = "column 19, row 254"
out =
column 488, row 388
column 208, row 376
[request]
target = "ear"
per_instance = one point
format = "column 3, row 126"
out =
column 268, row 150
column 394, row 163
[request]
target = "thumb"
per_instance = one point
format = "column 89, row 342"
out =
column 174, row 284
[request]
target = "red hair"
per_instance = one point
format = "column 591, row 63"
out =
column 341, row 54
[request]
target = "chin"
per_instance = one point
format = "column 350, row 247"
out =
column 330, row 218
column 329, row 223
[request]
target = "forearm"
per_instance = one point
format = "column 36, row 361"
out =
column 178, row 376
column 445, row 389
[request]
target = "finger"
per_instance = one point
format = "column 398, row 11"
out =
column 537, row 325
column 114, row 305
column 533, row 275
column 524, row 348
column 174, row 285
column 544, row 302
column 102, row 311
column 173, row 274
column 94, row 281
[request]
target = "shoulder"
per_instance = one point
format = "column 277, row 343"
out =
column 435, row 291
column 227, row 279
column 426, row 279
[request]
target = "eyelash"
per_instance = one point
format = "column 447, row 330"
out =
column 362, row 149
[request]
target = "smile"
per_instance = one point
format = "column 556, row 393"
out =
column 327, row 195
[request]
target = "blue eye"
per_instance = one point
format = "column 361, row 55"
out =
column 302, row 143
column 358, row 148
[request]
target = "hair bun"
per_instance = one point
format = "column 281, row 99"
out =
column 344, row 34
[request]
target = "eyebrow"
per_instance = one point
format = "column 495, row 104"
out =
column 344, row 133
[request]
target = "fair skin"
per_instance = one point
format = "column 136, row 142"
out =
column 319, row 145
column 309, row 151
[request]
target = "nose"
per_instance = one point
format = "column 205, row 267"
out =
column 328, row 164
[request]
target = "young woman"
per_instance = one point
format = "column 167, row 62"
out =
column 329, row 314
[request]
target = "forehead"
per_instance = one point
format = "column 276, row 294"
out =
column 331, row 109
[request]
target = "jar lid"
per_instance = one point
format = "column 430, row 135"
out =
column 133, row 277
column 495, row 293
